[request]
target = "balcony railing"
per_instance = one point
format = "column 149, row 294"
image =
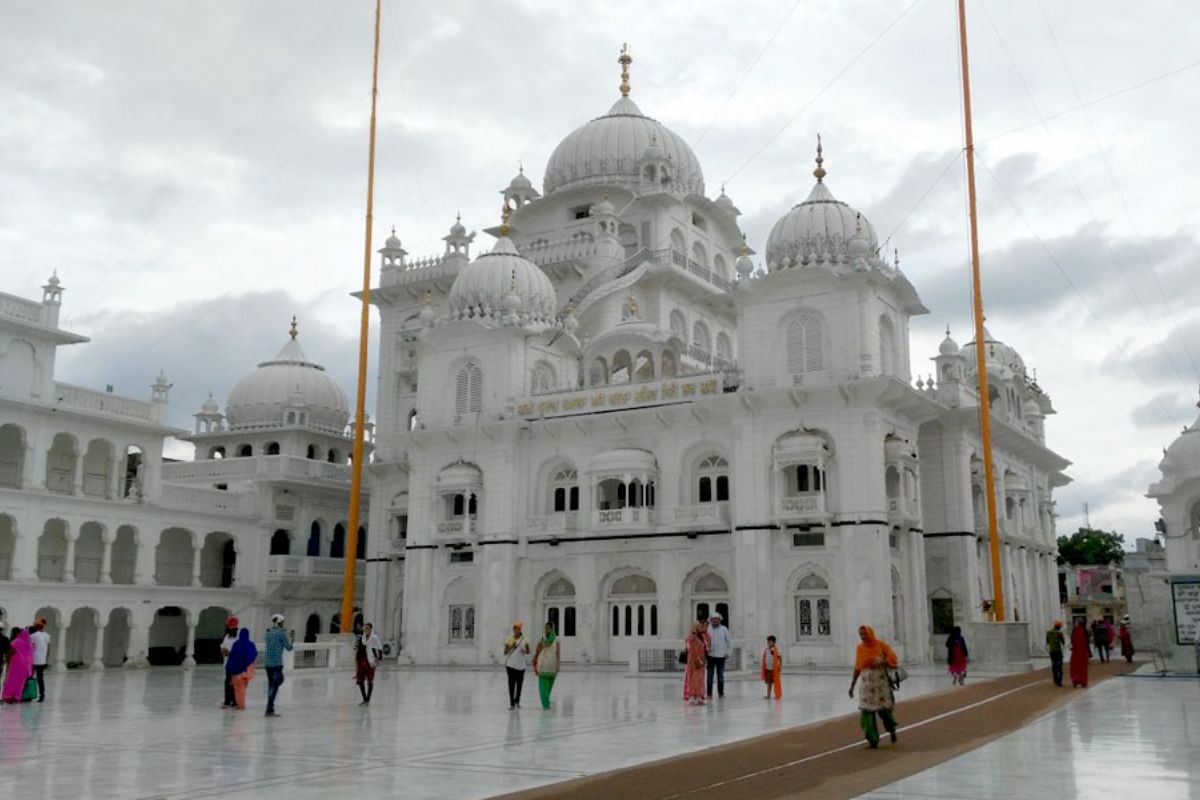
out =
column 703, row 512
column 632, row 395
column 622, row 517
column 82, row 399
column 20, row 308
column 456, row 527
column 560, row 523
column 801, row 505
column 902, row 507
column 206, row 501
column 312, row 567
column 222, row 470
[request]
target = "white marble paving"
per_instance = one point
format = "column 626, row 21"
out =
column 160, row 733
column 1131, row 737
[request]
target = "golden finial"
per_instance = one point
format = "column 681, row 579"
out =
column 745, row 247
column 293, row 331
column 819, row 172
column 625, row 60
column 504, row 219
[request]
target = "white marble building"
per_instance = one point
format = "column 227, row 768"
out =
column 613, row 420
column 133, row 559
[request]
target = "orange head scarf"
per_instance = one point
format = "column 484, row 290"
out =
column 870, row 650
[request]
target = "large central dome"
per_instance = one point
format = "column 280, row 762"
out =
column 609, row 150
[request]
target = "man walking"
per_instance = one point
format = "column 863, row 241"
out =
column 277, row 642
column 41, row 653
column 1100, row 639
column 1054, row 646
column 231, row 635
column 516, row 654
column 720, row 645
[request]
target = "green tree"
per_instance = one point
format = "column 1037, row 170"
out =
column 1091, row 546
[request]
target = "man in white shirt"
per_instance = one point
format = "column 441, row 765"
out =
column 41, row 654
column 516, row 654
column 720, row 645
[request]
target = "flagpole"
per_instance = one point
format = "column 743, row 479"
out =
column 360, row 403
column 985, row 412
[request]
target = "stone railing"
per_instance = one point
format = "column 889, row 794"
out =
column 703, row 272
column 287, row 567
column 622, row 517
column 703, row 512
column 907, row 508
column 544, row 253
column 560, row 523
column 604, row 398
column 802, row 505
column 20, row 308
column 206, row 501
column 79, row 398
column 222, row 470
column 456, row 527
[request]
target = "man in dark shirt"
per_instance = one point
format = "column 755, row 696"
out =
column 1054, row 646
column 1100, row 639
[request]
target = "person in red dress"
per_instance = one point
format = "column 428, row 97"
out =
column 1080, row 652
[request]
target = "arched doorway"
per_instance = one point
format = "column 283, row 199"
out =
column 632, row 614
column 52, row 551
column 558, row 606
column 709, row 595
column 210, row 631
column 168, row 637
column 218, row 560
column 312, row 628
column 281, row 543
column 116, row 637
column 81, row 638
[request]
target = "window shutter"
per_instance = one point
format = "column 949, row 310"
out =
column 474, row 388
column 460, row 392
column 812, row 346
column 795, row 347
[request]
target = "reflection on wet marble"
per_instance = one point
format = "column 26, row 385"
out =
column 160, row 733
column 1131, row 737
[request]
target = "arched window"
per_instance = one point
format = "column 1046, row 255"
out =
column 710, row 595
column 332, row 456
column 712, row 480
column 699, row 254
column 804, row 479
column 701, row 338
column 724, row 347
column 622, row 368
column 542, row 380
column 313, row 548
column 668, row 364
column 272, row 448
column 468, row 390
column 634, row 606
column 559, row 602
column 678, row 324
column 678, row 248
column 891, row 483
column 311, row 452
column 281, row 543
column 643, row 366
column 812, row 608
column 245, row 451
column 598, row 372
column 719, row 266
column 337, row 545
column 887, row 347
column 805, row 347
column 564, row 490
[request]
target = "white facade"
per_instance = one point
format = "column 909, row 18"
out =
column 134, row 560
column 613, row 421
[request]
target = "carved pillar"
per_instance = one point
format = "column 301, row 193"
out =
column 196, row 551
column 106, row 557
column 189, row 648
column 77, row 475
column 140, row 621
column 98, row 650
column 68, row 571
column 143, row 560
column 114, row 480
column 58, row 659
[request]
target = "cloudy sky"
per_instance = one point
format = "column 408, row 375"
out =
column 196, row 172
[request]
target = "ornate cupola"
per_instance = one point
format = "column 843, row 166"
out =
column 520, row 190
column 391, row 258
column 458, row 241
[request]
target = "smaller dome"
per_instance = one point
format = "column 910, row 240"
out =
column 392, row 242
column 948, row 347
column 603, row 208
column 744, row 266
column 458, row 229
column 210, row 405
column 1000, row 357
column 519, row 181
column 460, row 473
column 1031, row 408
column 725, row 203
column 480, row 289
column 54, row 281
column 1182, row 457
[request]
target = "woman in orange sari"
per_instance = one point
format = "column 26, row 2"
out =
column 1080, row 651
column 872, row 660
column 696, row 647
column 772, row 669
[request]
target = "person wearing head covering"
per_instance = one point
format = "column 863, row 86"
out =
column 956, row 656
column 20, row 666
column 276, row 642
column 516, row 654
column 41, row 655
column 367, row 652
column 1126, row 637
column 240, row 666
column 1080, row 652
column 231, row 633
column 696, row 649
column 1054, row 646
column 545, row 663
column 772, row 669
column 720, row 645
column 872, row 660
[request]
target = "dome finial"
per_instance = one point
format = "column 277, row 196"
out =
column 293, row 331
column 625, row 60
column 819, row 172
column 504, row 219
column 745, row 247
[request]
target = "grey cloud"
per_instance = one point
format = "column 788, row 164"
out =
column 1164, row 407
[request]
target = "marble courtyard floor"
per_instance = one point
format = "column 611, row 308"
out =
column 159, row 733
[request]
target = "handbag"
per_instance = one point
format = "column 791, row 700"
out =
column 682, row 657
column 898, row 676
column 30, row 692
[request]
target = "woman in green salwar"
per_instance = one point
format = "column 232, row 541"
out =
column 872, row 660
column 545, row 663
